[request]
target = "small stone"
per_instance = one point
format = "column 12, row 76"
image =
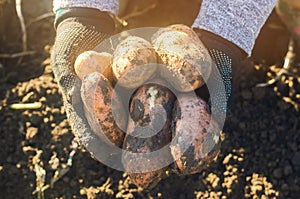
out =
column 31, row 132
column 296, row 159
column 227, row 159
column 287, row 170
column 277, row 173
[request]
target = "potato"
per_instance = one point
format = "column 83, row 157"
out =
column 179, row 28
column 98, row 99
column 186, row 61
column 196, row 131
column 92, row 61
column 150, row 111
column 132, row 62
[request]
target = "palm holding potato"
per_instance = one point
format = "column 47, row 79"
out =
column 78, row 30
column 70, row 43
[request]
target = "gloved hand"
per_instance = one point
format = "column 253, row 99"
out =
column 227, row 58
column 78, row 30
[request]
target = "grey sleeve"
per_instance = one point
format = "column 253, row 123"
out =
column 103, row 5
column 237, row 21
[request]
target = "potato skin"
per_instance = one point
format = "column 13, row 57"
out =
column 146, row 111
column 196, row 131
column 97, row 98
column 92, row 61
column 179, row 28
column 131, row 57
column 187, row 62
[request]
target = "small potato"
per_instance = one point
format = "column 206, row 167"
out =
column 195, row 135
column 134, row 62
column 98, row 99
column 150, row 112
column 92, row 61
column 186, row 61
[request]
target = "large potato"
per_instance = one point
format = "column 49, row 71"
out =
column 134, row 62
column 187, row 62
column 150, row 112
column 98, row 99
column 195, row 135
column 177, row 28
column 92, row 61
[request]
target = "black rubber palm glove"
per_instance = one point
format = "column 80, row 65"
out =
column 78, row 30
column 227, row 58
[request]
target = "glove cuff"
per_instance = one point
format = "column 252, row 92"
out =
column 101, row 21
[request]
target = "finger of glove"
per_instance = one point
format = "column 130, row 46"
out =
column 220, row 84
column 224, row 65
column 72, row 39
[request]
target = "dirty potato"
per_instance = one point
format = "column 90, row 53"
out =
column 179, row 28
column 148, row 131
column 92, row 61
column 98, row 100
column 134, row 62
column 195, row 135
column 186, row 61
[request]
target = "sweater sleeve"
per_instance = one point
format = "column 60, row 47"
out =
column 111, row 6
column 237, row 21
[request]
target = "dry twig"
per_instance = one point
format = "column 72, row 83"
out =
column 16, row 55
column 60, row 172
column 123, row 20
column 22, row 23
column 26, row 106
column 139, row 12
column 23, row 28
column 39, row 18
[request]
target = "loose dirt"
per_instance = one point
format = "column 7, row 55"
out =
column 260, row 155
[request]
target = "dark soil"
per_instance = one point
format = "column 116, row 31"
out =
column 260, row 155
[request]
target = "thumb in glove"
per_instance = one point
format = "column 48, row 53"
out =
column 78, row 30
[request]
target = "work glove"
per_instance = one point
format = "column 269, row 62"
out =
column 226, row 57
column 78, row 30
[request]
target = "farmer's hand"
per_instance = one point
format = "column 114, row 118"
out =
column 78, row 30
column 227, row 58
